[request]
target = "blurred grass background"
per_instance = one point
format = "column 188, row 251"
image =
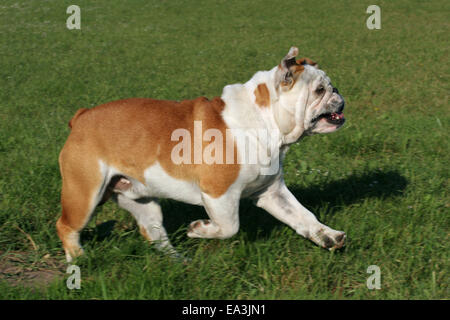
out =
column 383, row 178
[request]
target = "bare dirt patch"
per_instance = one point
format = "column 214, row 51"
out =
column 20, row 268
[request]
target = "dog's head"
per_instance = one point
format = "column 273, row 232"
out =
column 307, row 101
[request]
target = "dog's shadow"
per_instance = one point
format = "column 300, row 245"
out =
column 100, row 232
column 259, row 224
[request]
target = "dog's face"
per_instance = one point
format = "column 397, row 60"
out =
column 308, row 101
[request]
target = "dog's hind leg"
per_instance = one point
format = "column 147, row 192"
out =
column 148, row 215
column 82, row 186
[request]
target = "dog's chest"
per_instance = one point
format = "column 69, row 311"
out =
column 266, row 176
column 259, row 184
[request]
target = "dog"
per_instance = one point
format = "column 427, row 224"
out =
column 139, row 150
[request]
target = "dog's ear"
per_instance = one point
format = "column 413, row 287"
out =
column 288, row 68
column 289, row 59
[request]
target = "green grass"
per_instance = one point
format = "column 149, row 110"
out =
column 383, row 178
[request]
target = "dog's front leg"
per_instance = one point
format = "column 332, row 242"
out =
column 281, row 203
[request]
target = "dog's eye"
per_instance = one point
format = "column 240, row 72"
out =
column 320, row 90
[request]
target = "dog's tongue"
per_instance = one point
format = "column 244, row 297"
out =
column 337, row 116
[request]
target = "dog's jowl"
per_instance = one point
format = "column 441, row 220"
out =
column 203, row 152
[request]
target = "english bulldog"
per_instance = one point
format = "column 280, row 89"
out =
column 138, row 150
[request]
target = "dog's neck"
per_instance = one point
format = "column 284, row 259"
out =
column 243, row 112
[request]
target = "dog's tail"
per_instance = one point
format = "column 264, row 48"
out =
column 75, row 117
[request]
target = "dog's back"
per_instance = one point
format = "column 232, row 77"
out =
column 128, row 137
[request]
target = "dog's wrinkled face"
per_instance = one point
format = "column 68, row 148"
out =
column 307, row 97
column 323, row 110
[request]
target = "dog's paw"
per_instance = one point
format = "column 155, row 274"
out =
column 200, row 229
column 328, row 238
column 73, row 254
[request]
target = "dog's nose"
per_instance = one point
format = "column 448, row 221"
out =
column 335, row 90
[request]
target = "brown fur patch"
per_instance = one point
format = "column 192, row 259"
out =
column 297, row 69
column 77, row 114
column 131, row 135
column 134, row 134
column 262, row 95
column 81, row 181
column 144, row 233
column 306, row 61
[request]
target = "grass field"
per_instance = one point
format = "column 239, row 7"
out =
column 383, row 178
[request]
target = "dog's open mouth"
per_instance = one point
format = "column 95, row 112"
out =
column 331, row 117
